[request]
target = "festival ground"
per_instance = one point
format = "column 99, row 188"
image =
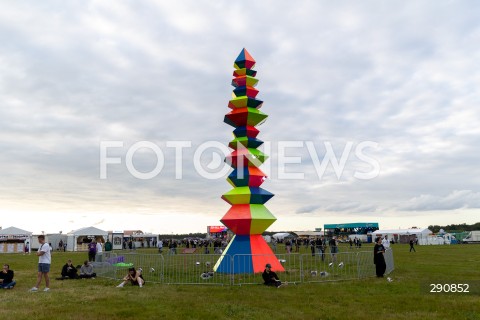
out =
column 408, row 296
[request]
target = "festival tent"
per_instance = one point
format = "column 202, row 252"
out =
column 308, row 234
column 403, row 235
column 282, row 235
column 13, row 239
column 78, row 240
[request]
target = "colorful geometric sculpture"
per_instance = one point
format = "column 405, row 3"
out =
column 248, row 218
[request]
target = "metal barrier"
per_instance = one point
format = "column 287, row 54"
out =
column 198, row 268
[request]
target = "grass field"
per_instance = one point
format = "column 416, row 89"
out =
column 407, row 297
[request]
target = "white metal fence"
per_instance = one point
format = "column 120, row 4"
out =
column 198, row 268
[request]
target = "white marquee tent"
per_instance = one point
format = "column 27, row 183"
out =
column 282, row 235
column 399, row 234
column 13, row 239
column 76, row 240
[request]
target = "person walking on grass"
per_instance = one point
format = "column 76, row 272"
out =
column 44, row 262
column 411, row 246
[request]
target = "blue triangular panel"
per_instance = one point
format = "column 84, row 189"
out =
column 240, row 248
column 241, row 56
column 259, row 195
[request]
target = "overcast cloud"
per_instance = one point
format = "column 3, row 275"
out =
column 401, row 75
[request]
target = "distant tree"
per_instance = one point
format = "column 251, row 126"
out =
column 455, row 227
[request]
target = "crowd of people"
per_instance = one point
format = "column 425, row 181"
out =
column 68, row 272
column 318, row 245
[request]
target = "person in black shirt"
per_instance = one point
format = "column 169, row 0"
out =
column 322, row 244
column 6, row 278
column 411, row 246
column 378, row 258
column 69, row 271
column 333, row 248
column 318, row 245
column 270, row 278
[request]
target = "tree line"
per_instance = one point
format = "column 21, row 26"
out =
column 455, row 227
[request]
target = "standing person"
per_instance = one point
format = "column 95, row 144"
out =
column 99, row 253
column 6, row 278
column 323, row 244
column 411, row 246
column 92, row 250
column 270, row 278
column 288, row 246
column 318, row 245
column 44, row 262
column 333, row 248
column 386, row 243
column 312, row 247
column 378, row 258
column 27, row 248
column 160, row 246
column 108, row 246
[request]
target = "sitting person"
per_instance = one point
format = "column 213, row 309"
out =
column 134, row 277
column 6, row 278
column 270, row 278
column 69, row 271
column 86, row 271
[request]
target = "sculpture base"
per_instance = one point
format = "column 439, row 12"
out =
column 247, row 254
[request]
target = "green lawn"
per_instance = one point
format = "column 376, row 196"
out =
column 407, row 297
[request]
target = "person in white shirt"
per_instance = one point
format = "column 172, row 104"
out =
column 44, row 262
column 160, row 246
column 386, row 243
column 99, row 255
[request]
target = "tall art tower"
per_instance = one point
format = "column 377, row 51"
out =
column 248, row 217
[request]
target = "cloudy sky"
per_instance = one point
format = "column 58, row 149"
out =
column 373, row 112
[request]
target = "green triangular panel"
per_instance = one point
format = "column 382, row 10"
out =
column 244, row 101
column 240, row 195
column 259, row 155
column 245, row 142
column 244, row 71
column 262, row 218
column 259, row 211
